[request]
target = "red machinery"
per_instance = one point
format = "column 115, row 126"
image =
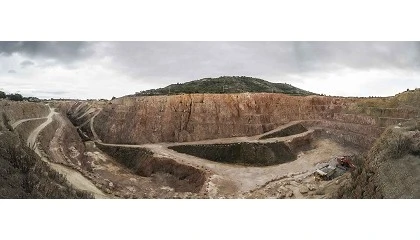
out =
column 345, row 161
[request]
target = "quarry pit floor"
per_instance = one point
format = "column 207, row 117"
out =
column 228, row 179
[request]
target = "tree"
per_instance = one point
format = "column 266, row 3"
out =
column 2, row 95
column 15, row 97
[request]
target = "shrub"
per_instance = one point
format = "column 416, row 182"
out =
column 15, row 97
column 398, row 145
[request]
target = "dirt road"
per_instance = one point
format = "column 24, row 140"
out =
column 76, row 179
column 95, row 135
column 17, row 123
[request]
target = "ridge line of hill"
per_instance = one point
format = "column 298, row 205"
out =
column 226, row 84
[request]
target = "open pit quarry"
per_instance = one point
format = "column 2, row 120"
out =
column 259, row 145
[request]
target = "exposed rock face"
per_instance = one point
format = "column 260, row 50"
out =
column 200, row 116
column 249, row 154
column 182, row 118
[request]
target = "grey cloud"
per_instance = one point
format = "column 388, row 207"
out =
column 63, row 52
column 26, row 63
column 52, row 92
column 357, row 55
column 11, row 71
column 192, row 60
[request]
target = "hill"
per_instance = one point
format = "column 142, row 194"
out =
column 226, row 84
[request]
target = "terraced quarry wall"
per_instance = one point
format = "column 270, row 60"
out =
column 196, row 117
column 185, row 118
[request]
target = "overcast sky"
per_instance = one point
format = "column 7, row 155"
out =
column 105, row 69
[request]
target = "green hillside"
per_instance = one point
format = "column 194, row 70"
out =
column 226, row 84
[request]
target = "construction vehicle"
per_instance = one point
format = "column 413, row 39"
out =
column 325, row 173
column 346, row 162
column 334, row 170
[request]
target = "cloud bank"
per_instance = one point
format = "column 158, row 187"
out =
column 106, row 69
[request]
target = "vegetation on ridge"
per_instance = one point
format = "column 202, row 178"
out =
column 226, row 84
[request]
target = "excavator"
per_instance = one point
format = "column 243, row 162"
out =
column 346, row 162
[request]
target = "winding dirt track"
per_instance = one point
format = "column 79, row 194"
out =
column 95, row 135
column 17, row 123
column 76, row 179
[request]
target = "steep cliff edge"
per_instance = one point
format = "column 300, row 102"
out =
column 194, row 117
